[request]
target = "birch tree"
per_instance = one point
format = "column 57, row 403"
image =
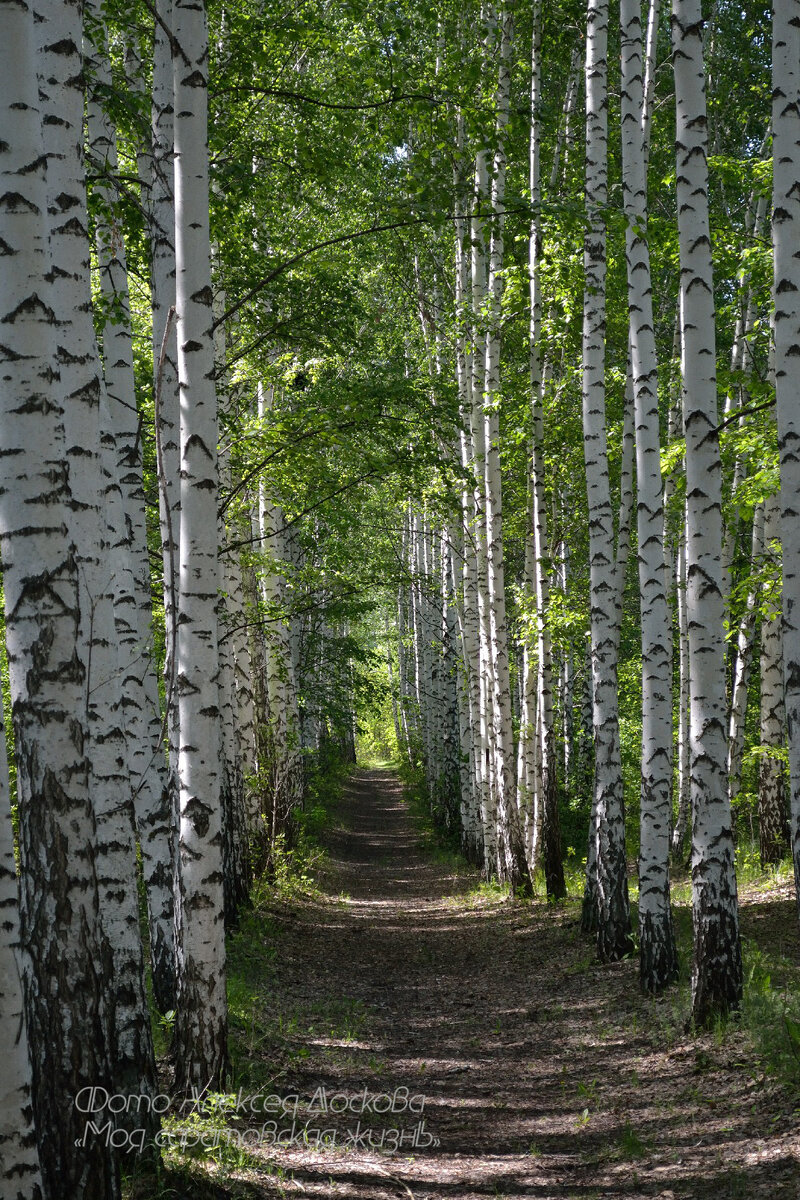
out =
column 478, row 283
column 65, row 952
column 515, row 864
column 551, row 839
column 132, row 606
column 785, row 234
column 717, row 965
column 96, row 527
column 608, row 835
column 658, row 959
column 201, row 1015
column 159, row 178
column 20, row 1175
column 773, row 827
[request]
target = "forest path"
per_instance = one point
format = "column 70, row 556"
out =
column 543, row 1074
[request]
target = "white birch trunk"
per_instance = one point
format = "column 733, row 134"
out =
column 235, row 856
column 649, row 81
column 160, row 187
column 684, row 788
column 466, row 586
column 717, row 967
column 281, row 691
column 785, row 236
column 20, row 1176
column 488, row 797
column 514, row 862
column 741, row 357
column 201, row 1016
column 103, row 563
column 674, row 431
column 658, row 959
column 589, row 911
column 132, row 608
column 773, row 827
column 546, row 785
column 130, row 1043
column 59, row 913
column 613, row 911
column 744, row 657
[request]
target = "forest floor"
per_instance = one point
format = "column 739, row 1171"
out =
column 510, row 1062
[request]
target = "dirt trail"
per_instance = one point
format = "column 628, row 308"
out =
column 543, row 1074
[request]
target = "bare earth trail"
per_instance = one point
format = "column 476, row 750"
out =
column 543, row 1074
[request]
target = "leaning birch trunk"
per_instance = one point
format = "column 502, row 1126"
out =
column 658, row 962
column 20, row 1175
column 613, row 911
column 785, row 237
column 201, row 1017
column 513, row 851
column 547, row 785
column 717, row 967
column 143, row 723
column 59, row 912
column 773, row 827
column 649, row 81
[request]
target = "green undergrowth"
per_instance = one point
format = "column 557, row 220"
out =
column 770, row 1011
column 485, row 891
column 750, row 874
column 440, row 843
column 376, row 762
column 255, row 1030
column 203, row 1147
column 769, row 1017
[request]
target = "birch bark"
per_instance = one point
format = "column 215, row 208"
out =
column 201, row 1016
column 684, row 788
column 744, row 656
column 466, row 586
column 64, row 953
column 488, row 799
column 95, row 521
column 547, row 785
column 132, row 608
column 160, row 186
column 20, row 1175
column 773, row 827
column 515, row 867
column 717, row 967
column 613, row 911
column 785, row 235
column 658, row 958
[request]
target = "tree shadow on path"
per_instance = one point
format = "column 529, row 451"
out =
column 512, row 1064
